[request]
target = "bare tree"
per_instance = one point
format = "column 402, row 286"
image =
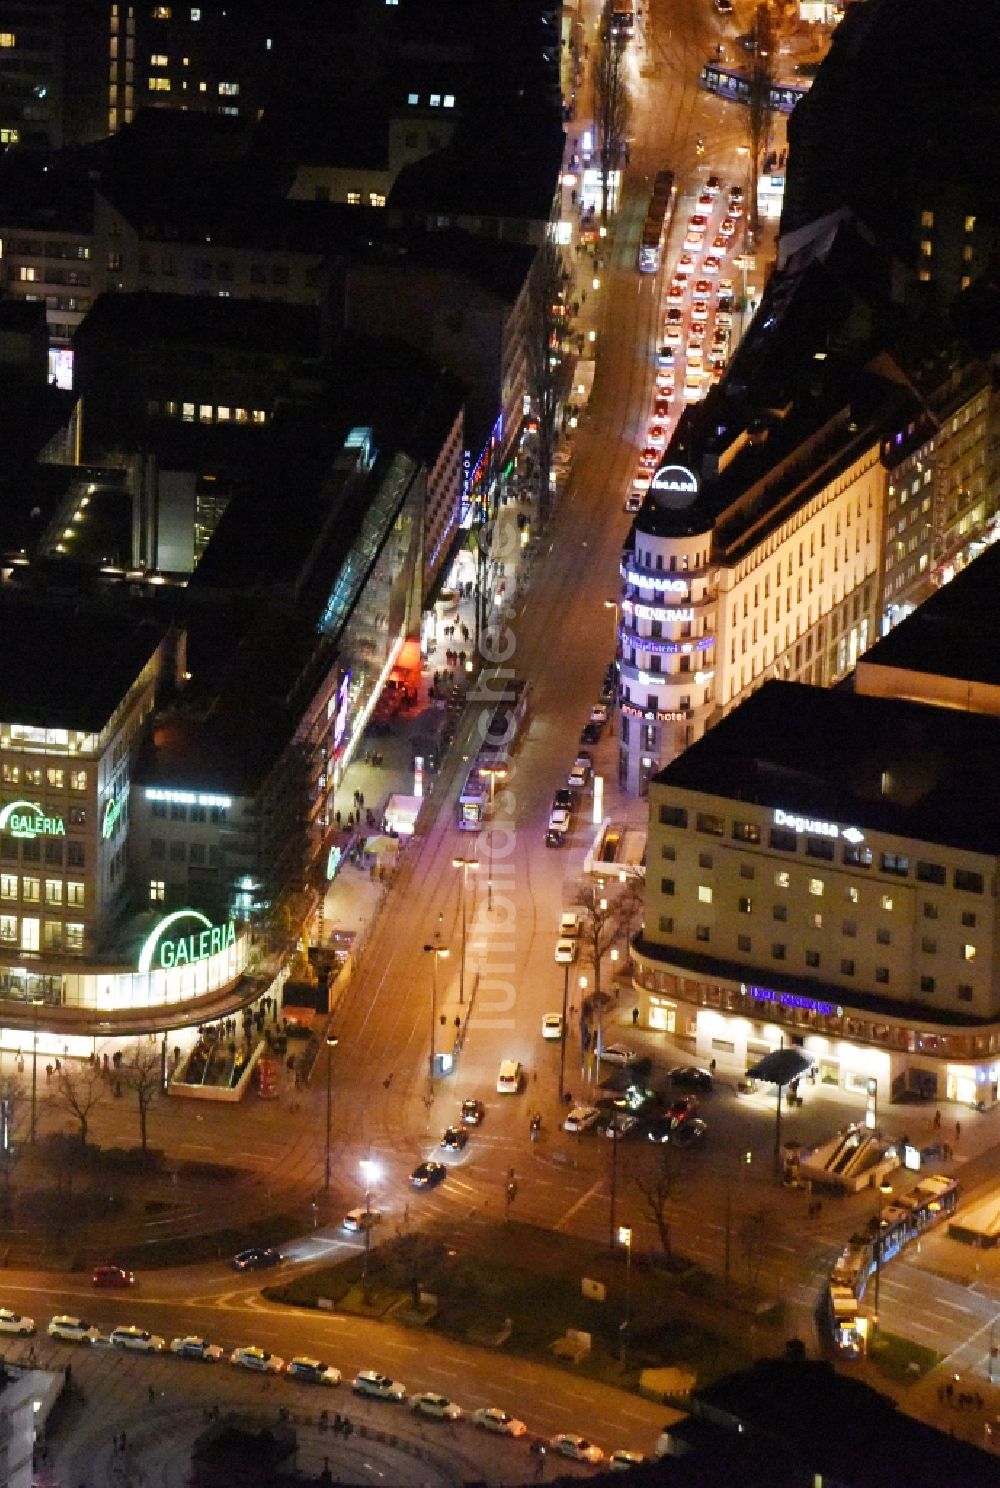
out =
column 600, row 918
column 759, row 113
column 78, row 1091
column 612, row 104
column 11, row 1096
column 417, row 1254
column 657, row 1187
column 547, row 364
column 142, row 1074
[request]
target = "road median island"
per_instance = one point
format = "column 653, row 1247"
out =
column 522, row 1288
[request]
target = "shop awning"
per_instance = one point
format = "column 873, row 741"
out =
column 781, row 1066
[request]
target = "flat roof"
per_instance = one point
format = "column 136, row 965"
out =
column 825, row 753
column 953, row 633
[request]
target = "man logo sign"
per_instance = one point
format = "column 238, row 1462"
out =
column 163, row 954
column 675, row 483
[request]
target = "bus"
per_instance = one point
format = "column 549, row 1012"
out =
column 656, row 227
column 622, row 20
column 729, row 82
column 499, row 733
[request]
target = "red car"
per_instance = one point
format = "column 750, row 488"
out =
column 682, row 1110
column 112, row 1276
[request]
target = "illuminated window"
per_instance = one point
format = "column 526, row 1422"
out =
column 74, row 937
column 886, row 902
column 196, row 12
column 55, row 777
column 968, row 253
column 970, row 224
column 75, row 895
column 30, row 930
column 10, row 136
column 354, row 198
column 78, row 780
column 157, row 891
column 162, row 12
column 781, row 880
column 704, row 894
column 449, row 100
column 259, row 416
column 376, row 198
column 964, row 283
column 8, row 929
column 27, row 274
column 205, row 412
column 229, row 90
column 816, row 887
column 968, row 952
column 30, row 890
column 927, row 219
column 222, row 414
column 924, row 276
column 187, row 412
column 413, row 98
column 745, row 905
column 11, row 774
column 435, row 100
column 7, row 39
column 159, row 85
column 53, row 891
column 817, row 921
column 159, row 59
column 8, row 885
column 852, row 896
column 926, row 247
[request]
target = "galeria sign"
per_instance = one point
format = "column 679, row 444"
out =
column 26, row 819
column 161, row 952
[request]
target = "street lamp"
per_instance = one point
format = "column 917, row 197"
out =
column 36, row 1003
column 370, row 1172
column 434, row 951
column 612, row 604
column 884, row 1190
column 625, row 1238
column 582, row 984
column 491, row 772
column 465, row 864
column 331, row 1043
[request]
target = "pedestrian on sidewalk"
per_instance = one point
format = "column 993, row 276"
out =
column 958, row 1130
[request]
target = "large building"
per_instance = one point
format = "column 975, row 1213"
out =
column 820, row 871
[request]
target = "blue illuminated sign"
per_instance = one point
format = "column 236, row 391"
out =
column 790, row 1000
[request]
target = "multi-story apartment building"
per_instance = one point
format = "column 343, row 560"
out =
column 816, row 875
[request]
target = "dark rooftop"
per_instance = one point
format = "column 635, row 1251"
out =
column 200, row 320
column 826, row 753
column 953, row 633
column 471, row 177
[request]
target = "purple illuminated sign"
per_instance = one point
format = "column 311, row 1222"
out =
column 790, row 1000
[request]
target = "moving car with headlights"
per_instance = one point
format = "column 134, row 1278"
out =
column 377, row 1386
column 623, row 1460
column 683, row 1109
column 473, row 1112
column 359, row 1220
column 618, row 1054
column 73, row 1329
column 428, row 1175
column 257, row 1258
column 455, row 1138
column 552, row 1026
column 492, row 1418
column 633, row 502
column 112, row 1276
column 568, row 1444
column 557, row 829
column 691, row 1077
column 438, row 1407
column 312, row 1371
column 16, row 1323
column 138, row 1340
column 509, row 1077
column 193, row 1346
column 581, row 1119
column 258, row 1360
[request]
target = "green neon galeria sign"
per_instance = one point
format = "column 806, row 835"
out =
column 27, row 819
column 161, row 952
column 113, row 808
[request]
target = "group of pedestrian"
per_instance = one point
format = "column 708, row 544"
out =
column 962, row 1400
column 449, row 630
column 339, row 1425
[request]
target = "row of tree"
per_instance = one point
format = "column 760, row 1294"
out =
column 78, row 1089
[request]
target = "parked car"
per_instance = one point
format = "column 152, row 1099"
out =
column 257, row 1360
column 438, row 1407
column 455, row 1138
column 359, row 1220
column 137, row 1340
column 193, row 1346
column 257, row 1258
column 623, row 1460
column 622, row 1124
column 568, row 1444
column 618, row 1054
column 599, row 714
column 689, row 1133
column 564, row 799
column 566, row 947
column 492, row 1418
column 312, row 1371
column 633, row 502
column 581, row 1119
column 378, row 1386
column 579, row 774
column 591, row 734
column 73, row 1329
column 15, row 1322
column 428, row 1175
column 112, row 1276
column 683, row 1109
column 473, row 1112
column 691, row 1077
column 569, row 923
column 552, row 1026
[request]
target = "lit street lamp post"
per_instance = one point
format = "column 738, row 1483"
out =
column 370, row 1171
column 465, row 864
column 625, row 1238
column 884, row 1190
column 491, row 771
column 565, row 1032
column 434, row 951
column 331, row 1044
column 35, row 1005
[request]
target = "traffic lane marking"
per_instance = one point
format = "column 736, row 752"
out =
column 584, row 1198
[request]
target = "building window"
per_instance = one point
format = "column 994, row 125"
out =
column 705, row 821
column 30, row 932
column 8, row 885
column 849, row 928
column 701, row 932
column 673, row 816
column 856, row 857
column 666, row 886
column 819, row 847
column 53, row 891
column 932, row 873
column 75, row 855
column 31, row 890
column 74, row 936
column 812, row 958
column 847, row 967
column 747, row 870
column 964, row 992
column 779, row 912
column 744, row 905
column 970, row 224
column 928, row 945
column 972, row 883
column 178, row 852
column 896, row 863
column 746, row 832
column 930, row 912
column 705, row 860
column 886, row 902
column 926, row 219
column 882, row 975
column 11, row 774
column 817, row 887
column 8, row 929
column 157, row 891
column 668, row 853
column 782, row 880
column 782, row 840
column 159, row 808
column 743, row 944
column 666, row 925
column 75, row 894
column 196, row 854
column 968, row 919
column 52, row 935
column 777, row 951
column 968, row 952
column 927, row 984
column 229, row 90
column 704, row 894
column 56, row 778
column 883, row 937
column 178, row 812
column 78, row 780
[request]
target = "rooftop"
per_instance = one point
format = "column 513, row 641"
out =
column 828, row 754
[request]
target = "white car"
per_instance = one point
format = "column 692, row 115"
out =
column 581, row 1119
column 577, row 1447
column 673, row 335
column 73, row 1329
column 138, row 1340
column 569, row 920
column 642, row 479
column 599, row 712
column 699, row 310
column 623, row 1460
column 194, row 1347
column 552, row 1026
column 13, row 1322
column 359, row 1220
column 565, row 950
column 576, row 780
column 427, row 1403
column 257, row 1359
column 633, row 502
column 312, row 1371
column 492, row 1418
column 378, row 1386
column 675, row 294
column 724, row 289
column 618, row 1054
